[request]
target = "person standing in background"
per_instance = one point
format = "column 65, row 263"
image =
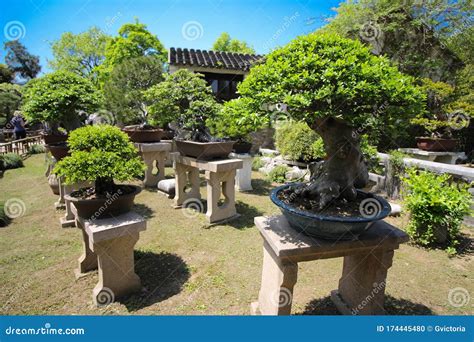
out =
column 18, row 125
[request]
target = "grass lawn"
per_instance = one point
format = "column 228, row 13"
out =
column 188, row 268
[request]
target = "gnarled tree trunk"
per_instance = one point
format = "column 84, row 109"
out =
column 343, row 171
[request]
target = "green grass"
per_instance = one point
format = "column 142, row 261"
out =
column 186, row 266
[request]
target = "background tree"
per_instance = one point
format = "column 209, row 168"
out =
column 10, row 101
column 333, row 84
column 133, row 40
column 79, row 53
column 57, row 98
column 124, row 89
column 225, row 43
column 6, row 75
column 20, row 61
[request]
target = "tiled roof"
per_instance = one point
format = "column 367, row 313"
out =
column 212, row 59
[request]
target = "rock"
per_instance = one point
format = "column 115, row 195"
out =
column 268, row 151
column 295, row 173
column 396, row 209
column 167, row 186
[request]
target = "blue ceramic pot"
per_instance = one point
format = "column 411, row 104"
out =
column 373, row 208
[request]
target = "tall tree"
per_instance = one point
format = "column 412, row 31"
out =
column 6, row 75
column 10, row 100
column 225, row 43
column 20, row 61
column 133, row 40
column 79, row 53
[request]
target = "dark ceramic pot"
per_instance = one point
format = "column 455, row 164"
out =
column 204, row 151
column 332, row 227
column 58, row 150
column 242, row 147
column 102, row 207
column 144, row 135
column 436, row 145
column 167, row 134
column 54, row 138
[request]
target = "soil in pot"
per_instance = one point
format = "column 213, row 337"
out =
column 58, row 150
column 436, row 144
column 91, row 206
column 143, row 134
column 205, row 150
column 54, row 138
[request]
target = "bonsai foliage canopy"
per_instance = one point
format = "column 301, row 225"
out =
column 100, row 154
column 56, row 98
column 339, row 88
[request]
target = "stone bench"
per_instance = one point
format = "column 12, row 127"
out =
column 220, row 177
column 366, row 262
column 108, row 245
column 154, row 155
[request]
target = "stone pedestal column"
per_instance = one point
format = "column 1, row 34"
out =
column 154, row 155
column 243, row 179
column 186, row 184
column 61, row 203
column 217, row 183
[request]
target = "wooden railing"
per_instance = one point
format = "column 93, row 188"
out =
column 21, row 146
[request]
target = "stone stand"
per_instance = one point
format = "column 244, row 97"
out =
column 154, row 155
column 433, row 156
column 220, row 178
column 108, row 246
column 366, row 262
column 243, row 181
column 69, row 219
column 61, row 203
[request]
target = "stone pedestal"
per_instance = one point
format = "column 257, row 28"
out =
column 243, row 180
column 108, row 246
column 69, row 219
column 433, row 156
column 61, row 203
column 366, row 262
column 154, row 155
column 220, row 178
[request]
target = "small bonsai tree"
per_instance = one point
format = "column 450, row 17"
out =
column 233, row 121
column 124, row 89
column 340, row 89
column 184, row 98
column 57, row 98
column 100, row 154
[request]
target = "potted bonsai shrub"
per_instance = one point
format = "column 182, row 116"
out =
column 185, row 99
column 232, row 125
column 55, row 100
column 436, row 119
column 124, row 95
column 101, row 154
column 333, row 84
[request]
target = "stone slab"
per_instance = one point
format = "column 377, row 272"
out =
column 153, row 147
column 221, row 165
column 290, row 244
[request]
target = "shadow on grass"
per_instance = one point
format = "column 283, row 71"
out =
column 393, row 306
column 247, row 214
column 261, row 187
column 144, row 210
column 163, row 276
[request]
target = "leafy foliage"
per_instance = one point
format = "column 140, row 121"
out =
column 11, row 161
column 57, row 97
column 99, row 153
column 10, row 101
column 183, row 97
column 323, row 75
column 435, row 203
column 225, row 43
column 257, row 163
column 79, row 53
column 370, row 155
column 296, row 141
column 133, row 40
column 20, row 61
column 6, row 74
column 124, row 89
column 278, row 174
column 36, row 149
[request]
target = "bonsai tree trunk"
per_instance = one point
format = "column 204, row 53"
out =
column 104, row 187
column 344, row 169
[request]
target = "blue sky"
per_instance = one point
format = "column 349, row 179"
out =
column 177, row 23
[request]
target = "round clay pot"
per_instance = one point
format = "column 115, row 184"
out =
column 329, row 227
column 143, row 135
column 54, row 138
column 98, row 208
column 436, row 144
column 58, row 150
column 242, row 147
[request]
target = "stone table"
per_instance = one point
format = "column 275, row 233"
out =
column 154, row 155
column 243, row 180
column 439, row 157
column 220, row 177
column 108, row 245
column 366, row 262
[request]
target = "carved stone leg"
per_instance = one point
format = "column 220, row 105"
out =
column 185, row 174
column 218, row 182
column 117, row 275
column 69, row 219
column 88, row 260
column 276, row 291
column 150, row 158
column 60, row 204
column 362, row 285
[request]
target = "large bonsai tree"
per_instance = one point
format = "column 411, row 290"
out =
column 57, row 98
column 339, row 89
column 184, row 98
column 100, row 154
